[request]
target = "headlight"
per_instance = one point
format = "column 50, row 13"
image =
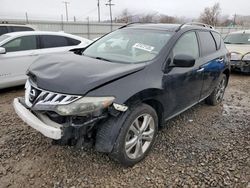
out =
column 246, row 57
column 236, row 56
column 85, row 105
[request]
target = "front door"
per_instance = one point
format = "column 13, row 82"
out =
column 183, row 85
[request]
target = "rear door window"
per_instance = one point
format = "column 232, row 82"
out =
column 208, row 45
column 21, row 44
column 53, row 41
column 3, row 30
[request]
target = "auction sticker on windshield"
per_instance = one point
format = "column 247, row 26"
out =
column 143, row 47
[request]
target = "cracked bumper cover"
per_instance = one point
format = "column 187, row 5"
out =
column 50, row 131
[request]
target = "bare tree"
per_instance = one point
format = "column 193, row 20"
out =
column 125, row 17
column 210, row 15
column 167, row 19
column 147, row 18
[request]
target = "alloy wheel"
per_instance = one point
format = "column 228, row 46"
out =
column 139, row 136
column 221, row 90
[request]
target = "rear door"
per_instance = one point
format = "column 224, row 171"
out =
column 213, row 56
column 183, row 84
column 20, row 53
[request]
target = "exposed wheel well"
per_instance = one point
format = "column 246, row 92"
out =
column 158, row 108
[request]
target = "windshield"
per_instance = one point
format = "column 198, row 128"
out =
column 3, row 37
column 239, row 38
column 129, row 45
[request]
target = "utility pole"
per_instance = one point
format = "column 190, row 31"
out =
column 234, row 19
column 98, row 5
column 110, row 10
column 27, row 19
column 66, row 9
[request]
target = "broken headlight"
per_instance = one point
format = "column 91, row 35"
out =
column 84, row 106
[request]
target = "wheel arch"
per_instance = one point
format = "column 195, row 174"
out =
column 150, row 97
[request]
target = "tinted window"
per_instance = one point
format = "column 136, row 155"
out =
column 208, row 45
column 3, row 30
column 217, row 39
column 21, row 44
column 73, row 42
column 20, row 28
column 187, row 45
column 52, row 41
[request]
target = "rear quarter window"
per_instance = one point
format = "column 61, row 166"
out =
column 208, row 45
column 73, row 42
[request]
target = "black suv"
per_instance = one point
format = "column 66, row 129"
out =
column 118, row 91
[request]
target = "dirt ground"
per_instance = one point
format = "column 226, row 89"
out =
column 205, row 146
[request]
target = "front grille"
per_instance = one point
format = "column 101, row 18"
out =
column 36, row 96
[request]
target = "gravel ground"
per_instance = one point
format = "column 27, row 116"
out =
column 204, row 147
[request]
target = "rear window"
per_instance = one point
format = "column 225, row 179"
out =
column 53, row 41
column 208, row 45
column 3, row 30
column 20, row 28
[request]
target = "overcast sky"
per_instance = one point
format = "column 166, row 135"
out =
column 81, row 9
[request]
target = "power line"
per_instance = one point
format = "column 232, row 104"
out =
column 66, row 9
column 110, row 10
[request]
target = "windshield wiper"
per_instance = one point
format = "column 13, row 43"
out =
column 101, row 58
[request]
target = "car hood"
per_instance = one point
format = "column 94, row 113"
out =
column 74, row 74
column 239, row 48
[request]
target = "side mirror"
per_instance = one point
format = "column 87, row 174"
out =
column 2, row 50
column 183, row 61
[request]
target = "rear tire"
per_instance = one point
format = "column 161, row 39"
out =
column 216, row 96
column 136, row 136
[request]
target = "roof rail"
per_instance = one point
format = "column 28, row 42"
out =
column 131, row 23
column 195, row 23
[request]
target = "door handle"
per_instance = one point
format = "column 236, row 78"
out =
column 220, row 60
column 200, row 69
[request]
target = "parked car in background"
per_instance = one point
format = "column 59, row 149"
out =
column 9, row 28
column 238, row 44
column 19, row 49
column 120, row 89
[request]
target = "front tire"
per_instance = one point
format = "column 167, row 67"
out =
column 216, row 96
column 137, row 136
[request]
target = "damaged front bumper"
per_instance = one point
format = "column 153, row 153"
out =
column 53, row 130
column 242, row 66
